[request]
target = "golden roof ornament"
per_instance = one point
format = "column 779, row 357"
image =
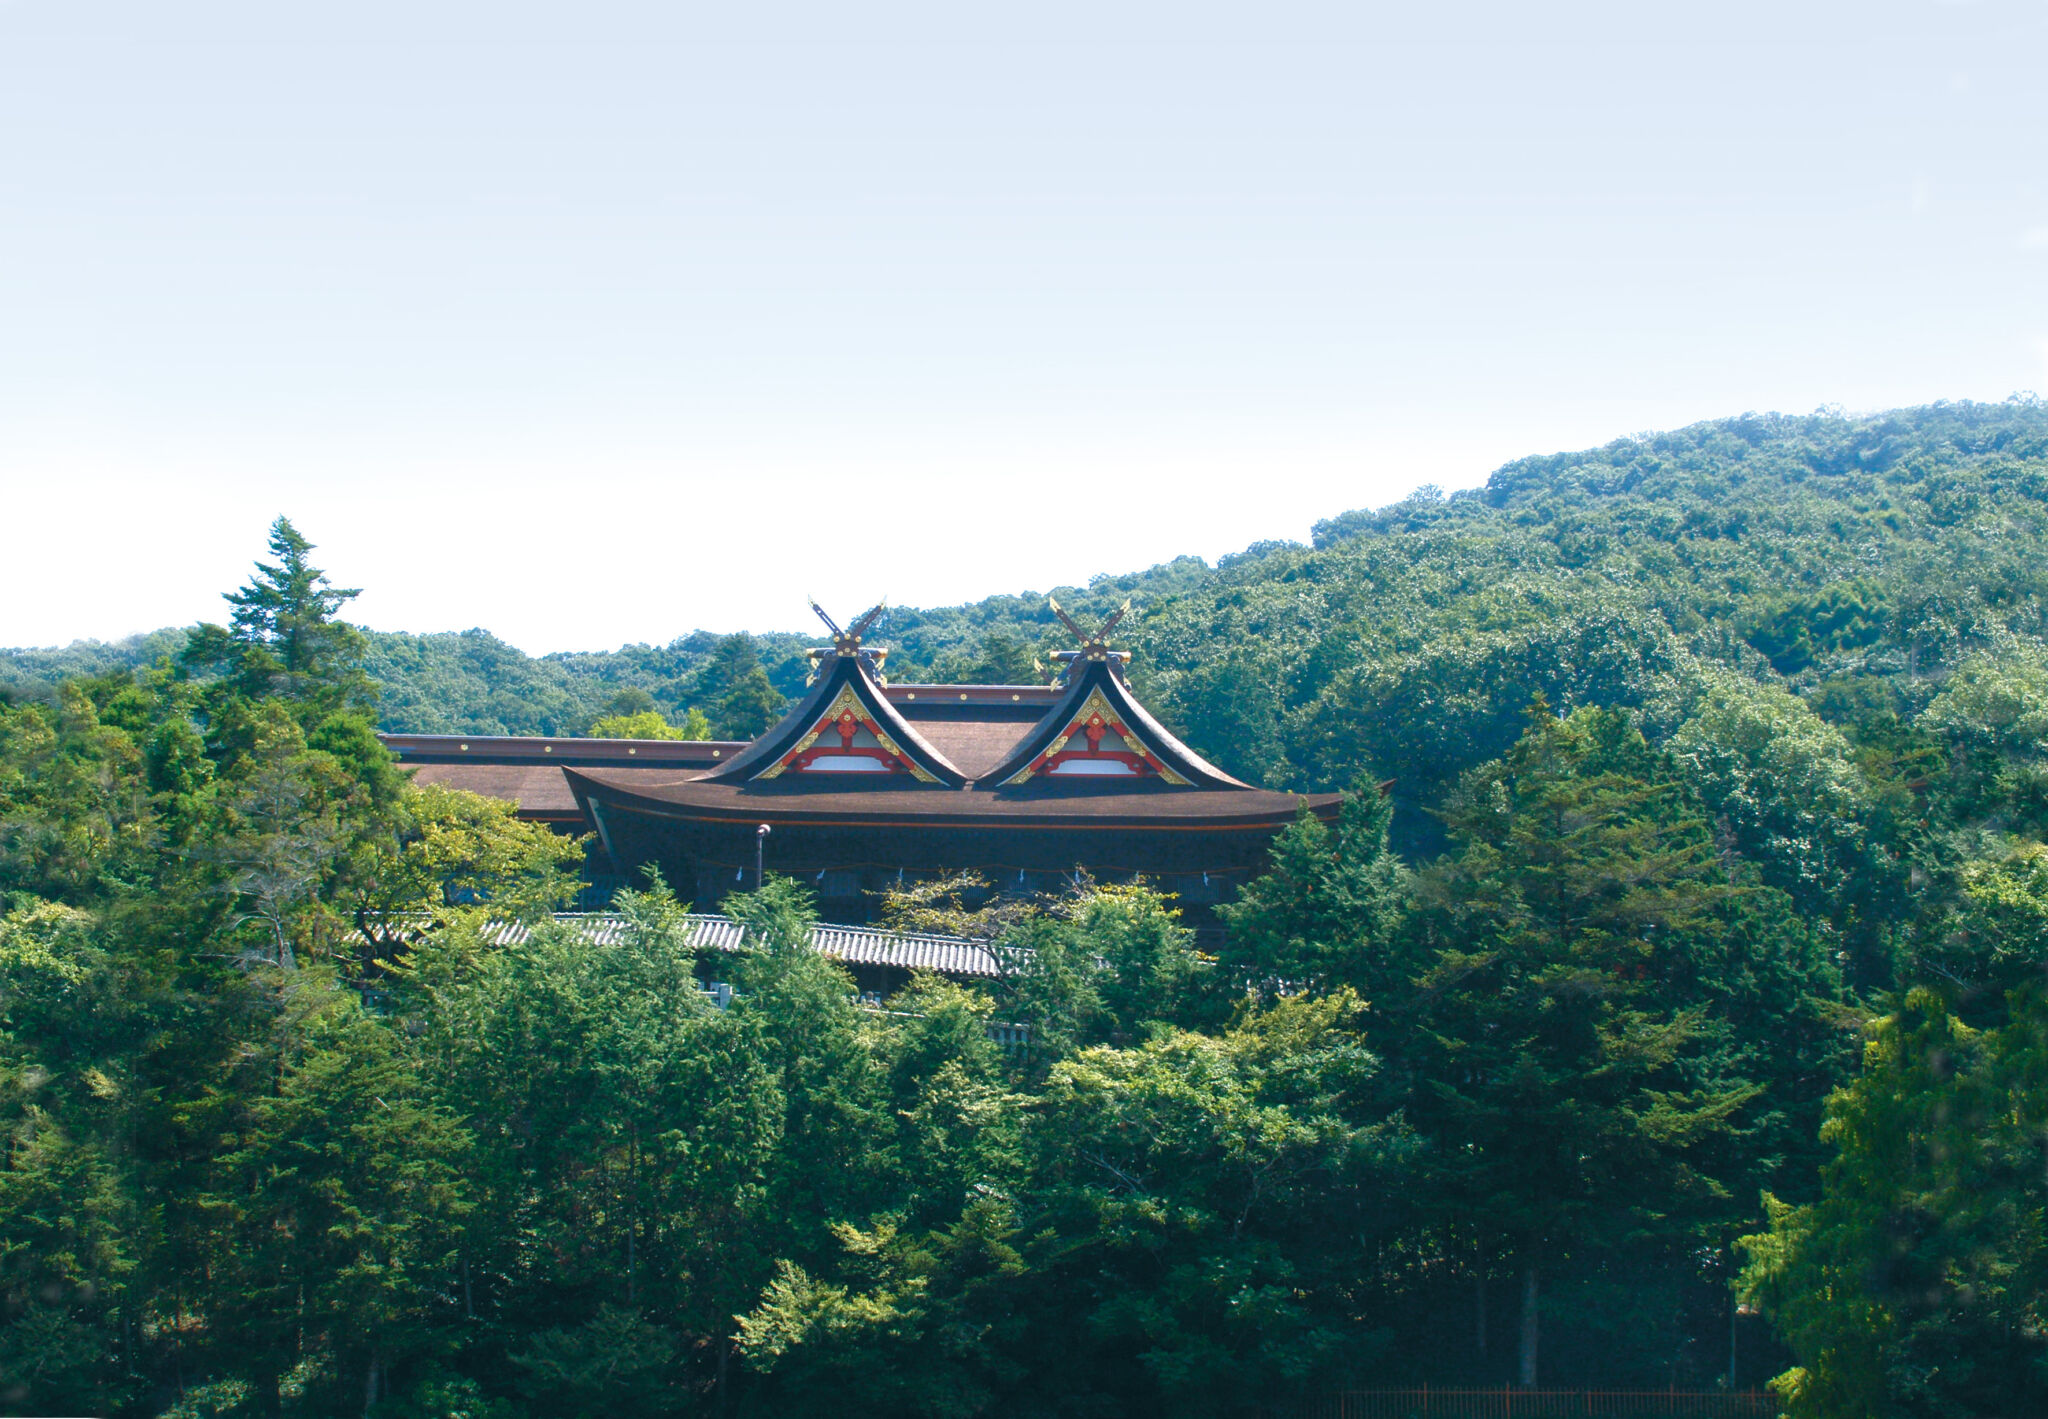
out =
column 1093, row 647
column 848, row 642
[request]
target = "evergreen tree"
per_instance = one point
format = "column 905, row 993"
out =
column 1329, row 909
column 1913, row 1286
column 1554, row 1062
column 345, row 1195
column 283, row 638
column 732, row 659
column 734, row 681
column 749, row 707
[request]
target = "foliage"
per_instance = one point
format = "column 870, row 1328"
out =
column 1672, row 763
column 1558, row 1027
column 648, row 724
column 451, row 854
column 1915, row 1285
column 1329, row 909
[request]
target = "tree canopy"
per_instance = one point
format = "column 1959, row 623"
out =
column 1678, row 955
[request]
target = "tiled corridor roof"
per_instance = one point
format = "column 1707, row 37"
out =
column 856, row 945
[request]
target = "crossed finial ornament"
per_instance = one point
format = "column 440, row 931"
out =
column 847, row 642
column 1093, row 647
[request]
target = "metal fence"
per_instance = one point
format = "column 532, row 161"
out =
column 1530, row 1404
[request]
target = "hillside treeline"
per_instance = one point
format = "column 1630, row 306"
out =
column 1675, row 1018
column 1872, row 550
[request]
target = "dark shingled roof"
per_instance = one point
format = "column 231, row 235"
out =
column 976, row 745
column 1073, row 805
column 526, row 770
column 538, row 789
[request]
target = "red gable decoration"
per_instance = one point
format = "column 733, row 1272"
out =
column 1096, row 721
column 844, row 726
column 835, row 744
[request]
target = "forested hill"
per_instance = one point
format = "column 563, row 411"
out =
column 1707, row 572
column 1715, row 988
column 1851, row 560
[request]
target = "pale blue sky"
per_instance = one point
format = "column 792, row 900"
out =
column 599, row 322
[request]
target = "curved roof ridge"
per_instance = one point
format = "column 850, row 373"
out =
column 846, row 672
column 1098, row 676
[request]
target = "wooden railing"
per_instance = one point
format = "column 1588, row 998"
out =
column 1429, row 1403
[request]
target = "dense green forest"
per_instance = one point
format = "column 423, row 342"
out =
column 1677, row 1016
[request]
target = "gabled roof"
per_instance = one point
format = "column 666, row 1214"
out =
column 846, row 693
column 1096, row 706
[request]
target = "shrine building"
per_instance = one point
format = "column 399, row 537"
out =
column 864, row 785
